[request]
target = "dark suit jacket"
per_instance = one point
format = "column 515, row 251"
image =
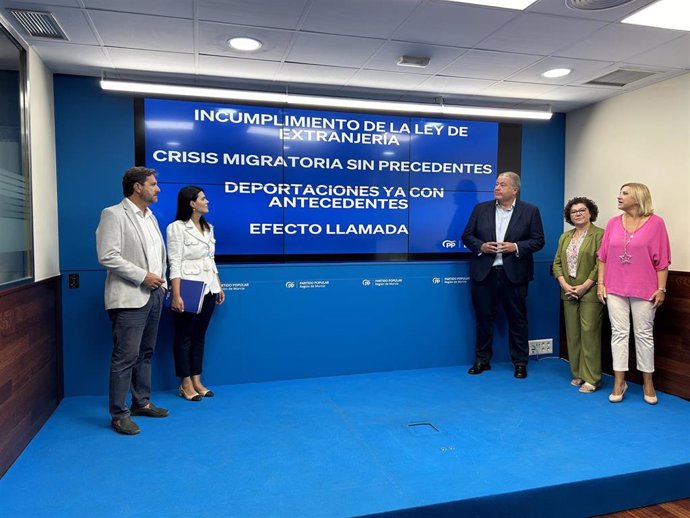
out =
column 525, row 229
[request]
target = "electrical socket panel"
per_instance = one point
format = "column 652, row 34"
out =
column 538, row 347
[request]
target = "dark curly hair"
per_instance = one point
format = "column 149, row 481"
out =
column 591, row 207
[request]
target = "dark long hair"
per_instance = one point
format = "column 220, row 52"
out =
column 184, row 209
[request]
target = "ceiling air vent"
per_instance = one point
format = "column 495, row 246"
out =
column 620, row 77
column 39, row 24
column 595, row 5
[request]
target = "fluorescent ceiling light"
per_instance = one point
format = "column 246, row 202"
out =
column 665, row 14
column 557, row 72
column 506, row 4
column 245, row 44
column 322, row 102
column 170, row 125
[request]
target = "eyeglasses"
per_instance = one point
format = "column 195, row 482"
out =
column 578, row 211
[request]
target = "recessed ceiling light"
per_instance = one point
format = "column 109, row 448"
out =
column 557, row 72
column 244, row 44
column 665, row 14
column 506, row 4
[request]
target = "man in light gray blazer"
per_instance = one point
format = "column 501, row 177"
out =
column 130, row 247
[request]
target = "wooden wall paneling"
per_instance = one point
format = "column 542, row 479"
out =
column 30, row 371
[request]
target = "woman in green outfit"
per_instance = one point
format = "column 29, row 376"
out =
column 575, row 267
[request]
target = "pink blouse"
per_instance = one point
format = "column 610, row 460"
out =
column 631, row 271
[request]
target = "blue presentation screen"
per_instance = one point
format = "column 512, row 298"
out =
column 294, row 184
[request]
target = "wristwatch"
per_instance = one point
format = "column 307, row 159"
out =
column 661, row 289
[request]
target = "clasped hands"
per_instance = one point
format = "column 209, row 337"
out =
column 498, row 247
column 574, row 292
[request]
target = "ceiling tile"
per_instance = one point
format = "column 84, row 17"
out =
column 61, row 55
column 358, row 17
column 675, row 53
column 353, row 46
column 658, row 74
column 486, row 64
column 387, row 57
column 614, row 14
column 587, row 94
column 283, row 14
column 661, row 74
column 324, row 49
column 453, row 24
column 237, row 68
column 213, row 39
column 296, row 72
column 618, row 42
column 388, row 80
column 454, row 85
column 45, row 3
column 132, row 59
column 539, row 34
column 72, row 21
column 520, row 90
column 172, row 8
column 581, row 70
column 141, row 31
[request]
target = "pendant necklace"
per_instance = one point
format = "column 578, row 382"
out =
column 626, row 258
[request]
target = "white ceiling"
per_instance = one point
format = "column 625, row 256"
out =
column 478, row 54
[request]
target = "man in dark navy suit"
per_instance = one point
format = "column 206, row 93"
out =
column 502, row 235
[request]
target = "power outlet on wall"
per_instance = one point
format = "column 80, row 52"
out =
column 537, row 347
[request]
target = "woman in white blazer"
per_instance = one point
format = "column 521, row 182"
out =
column 191, row 250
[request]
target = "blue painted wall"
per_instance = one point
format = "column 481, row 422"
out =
column 267, row 330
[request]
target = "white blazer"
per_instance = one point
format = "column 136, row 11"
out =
column 191, row 254
column 121, row 249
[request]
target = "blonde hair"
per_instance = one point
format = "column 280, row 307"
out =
column 642, row 196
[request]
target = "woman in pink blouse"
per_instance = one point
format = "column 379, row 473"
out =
column 633, row 268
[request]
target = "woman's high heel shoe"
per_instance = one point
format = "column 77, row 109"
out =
column 206, row 393
column 617, row 399
column 183, row 394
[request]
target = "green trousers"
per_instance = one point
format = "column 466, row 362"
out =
column 583, row 332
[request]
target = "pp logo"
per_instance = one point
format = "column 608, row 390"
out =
column 436, row 280
column 449, row 243
column 366, row 282
column 289, row 284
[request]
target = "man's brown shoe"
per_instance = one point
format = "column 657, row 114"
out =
column 125, row 426
column 149, row 410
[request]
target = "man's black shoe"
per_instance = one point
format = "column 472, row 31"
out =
column 479, row 367
column 149, row 410
column 520, row 371
column 125, row 426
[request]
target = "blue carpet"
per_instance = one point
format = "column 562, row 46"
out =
column 433, row 442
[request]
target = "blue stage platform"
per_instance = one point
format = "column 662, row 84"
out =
column 433, row 442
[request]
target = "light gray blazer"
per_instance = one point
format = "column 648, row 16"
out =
column 122, row 251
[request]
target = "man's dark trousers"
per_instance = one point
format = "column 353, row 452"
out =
column 134, row 338
column 487, row 295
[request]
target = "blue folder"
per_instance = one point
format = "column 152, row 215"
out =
column 192, row 293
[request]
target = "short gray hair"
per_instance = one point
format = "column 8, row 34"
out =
column 514, row 177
